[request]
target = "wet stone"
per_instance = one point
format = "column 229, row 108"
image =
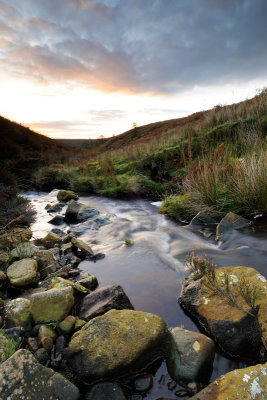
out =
column 106, row 391
column 143, row 383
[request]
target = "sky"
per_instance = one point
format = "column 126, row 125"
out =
column 82, row 69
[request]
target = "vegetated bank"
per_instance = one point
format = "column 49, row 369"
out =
column 213, row 161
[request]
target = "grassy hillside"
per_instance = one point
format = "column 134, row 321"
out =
column 88, row 144
column 215, row 160
column 23, row 152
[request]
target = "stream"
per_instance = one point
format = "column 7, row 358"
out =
column 151, row 271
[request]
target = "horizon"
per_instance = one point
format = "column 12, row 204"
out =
column 80, row 69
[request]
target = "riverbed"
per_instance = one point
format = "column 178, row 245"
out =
column 152, row 269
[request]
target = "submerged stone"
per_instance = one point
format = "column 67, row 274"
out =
column 191, row 356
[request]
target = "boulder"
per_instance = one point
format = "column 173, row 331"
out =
column 52, row 305
column 44, row 258
column 238, row 330
column 58, row 232
column 230, row 222
column 23, row 272
column 72, row 211
column 24, row 250
column 191, row 356
column 117, row 343
column 246, row 384
column 51, row 237
column 102, row 300
column 106, row 391
column 66, row 195
column 22, row 377
column 17, row 313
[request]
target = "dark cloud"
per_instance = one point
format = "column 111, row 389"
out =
column 139, row 46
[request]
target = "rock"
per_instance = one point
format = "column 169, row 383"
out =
column 32, row 343
column 54, row 207
column 42, row 356
column 62, row 272
column 90, row 282
column 72, row 211
column 58, row 232
column 203, row 218
column 23, row 272
column 67, row 325
column 86, row 213
column 68, row 238
column 47, row 343
column 3, row 279
column 17, row 313
column 22, row 377
column 44, row 258
column 116, row 343
column 247, row 384
column 102, row 300
column 46, row 331
column 83, row 247
column 15, row 236
column 56, row 220
column 51, row 238
column 24, row 250
column 230, row 222
column 58, row 283
column 4, row 258
column 143, row 383
column 60, row 344
column 231, row 325
column 3, row 349
column 52, row 305
column 191, row 356
column 16, row 333
column 50, row 269
column 66, row 248
column 106, row 391
column 79, row 324
column 66, row 195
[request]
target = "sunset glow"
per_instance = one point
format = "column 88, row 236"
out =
column 81, row 69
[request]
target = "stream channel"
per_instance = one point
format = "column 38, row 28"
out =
column 151, row 271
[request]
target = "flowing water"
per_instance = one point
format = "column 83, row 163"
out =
column 151, row 271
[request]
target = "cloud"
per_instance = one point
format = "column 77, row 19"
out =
column 106, row 115
column 62, row 125
column 135, row 46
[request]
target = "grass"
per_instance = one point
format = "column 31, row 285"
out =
column 210, row 161
column 12, row 345
column 202, row 266
column 128, row 242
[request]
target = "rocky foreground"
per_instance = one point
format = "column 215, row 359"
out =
column 62, row 338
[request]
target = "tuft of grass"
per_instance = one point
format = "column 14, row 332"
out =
column 128, row 242
column 204, row 267
column 12, row 345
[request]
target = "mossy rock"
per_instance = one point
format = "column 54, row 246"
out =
column 15, row 236
column 4, row 258
column 117, row 342
column 233, row 327
column 67, row 325
column 66, row 195
column 51, row 238
column 246, row 384
column 52, row 305
column 177, row 207
column 24, row 250
column 58, row 283
column 23, row 272
column 17, row 313
column 22, row 377
column 3, row 348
